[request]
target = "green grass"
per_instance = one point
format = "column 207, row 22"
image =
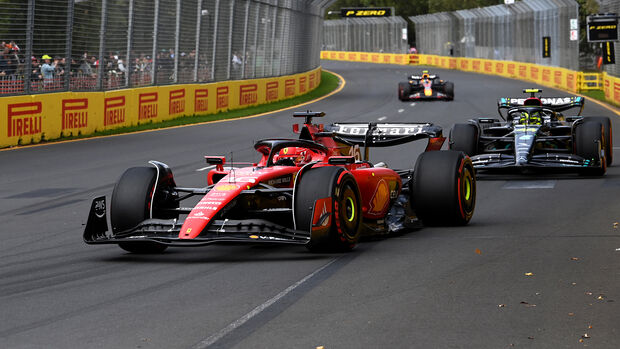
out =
column 596, row 94
column 329, row 82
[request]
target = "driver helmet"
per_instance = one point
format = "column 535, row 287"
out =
column 293, row 155
column 533, row 118
column 425, row 74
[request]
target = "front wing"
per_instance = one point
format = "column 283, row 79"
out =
column 166, row 231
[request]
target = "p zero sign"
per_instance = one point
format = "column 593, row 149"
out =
column 602, row 28
column 366, row 12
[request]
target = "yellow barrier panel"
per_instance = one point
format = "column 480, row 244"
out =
column 611, row 87
column 30, row 119
column 589, row 81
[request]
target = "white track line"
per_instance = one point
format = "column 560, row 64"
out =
column 382, row 118
column 401, row 110
column 412, row 104
column 205, row 168
column 536, row 184
column 245, row 318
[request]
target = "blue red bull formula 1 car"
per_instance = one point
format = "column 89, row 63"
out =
column 535, row 134
column 317, row 190
column 425, row 86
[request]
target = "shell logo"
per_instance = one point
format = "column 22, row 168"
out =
column 381, row 197
column 226, row 187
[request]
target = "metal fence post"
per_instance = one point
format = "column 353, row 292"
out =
column 215, row 28
column 245, row 37
column 68, row 45
column 29, row 39
column 231, row 19
column 128, row 57
column 273, row 36
column 177, row 33
column 102, row 31
column 256, row 23
column 154, row 56
column 197, row 48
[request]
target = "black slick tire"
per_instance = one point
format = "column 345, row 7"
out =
column 589, row 141
column 464, row 137
column 342, row 228
column 130, row 205
column 443, row 190
column 449, row 90
column 404, row 90
column 607, row 134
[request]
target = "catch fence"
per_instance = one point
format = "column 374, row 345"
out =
column 94, row 45
column 372, row 34
column 505, row 32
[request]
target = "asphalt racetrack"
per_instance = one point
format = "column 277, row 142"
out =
column 537, row 267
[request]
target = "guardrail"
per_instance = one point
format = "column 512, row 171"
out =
column 560, row 78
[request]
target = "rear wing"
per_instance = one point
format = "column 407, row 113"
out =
column 555, row 103
column 419, row 77
column 383, row 134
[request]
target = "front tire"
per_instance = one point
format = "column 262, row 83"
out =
column 443, row 190
column 404, row 91
column 607, row 134
column 589, row 141
column 449, row 90
column 333, row 191
column 131, row 204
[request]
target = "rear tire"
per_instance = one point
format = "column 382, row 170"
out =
column 588, row 136
column 607, row 134
column 130, row 205
column 443, row 190
column 342, row 229
column 464, row 137
column 404, row 90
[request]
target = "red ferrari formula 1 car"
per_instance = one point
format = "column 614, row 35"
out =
column 425, row 86
column 316, row 190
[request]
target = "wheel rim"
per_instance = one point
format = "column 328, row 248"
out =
column 349, row 209
column 467, row 191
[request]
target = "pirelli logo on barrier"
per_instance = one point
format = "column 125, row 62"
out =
column 333, row 55
column 617, row 91
column 248, row 94
column 114, row 111
column 302, row 84
column 177, row 101
column 342, row 55
column 201, row 100
column 452, row 63
column 364, row 57
column 311, row 81
column 570, row 81
column 534, row 73
column 499, row 67
column 147, row 106
column 386, row 59
column 221, row 97
column 464, row 64
column 546, row 75
column 476, row 65
column 398, row 59
column 352, row 56
column 289, row 87
column 523, row 71
column 74, row 113
column 24, row 119
column 557, row 77
column 272, row 91
column 511, row 69
column 374, row 58
column 488, row 67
